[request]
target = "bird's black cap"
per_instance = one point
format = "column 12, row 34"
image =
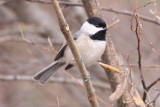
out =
column 98, row 22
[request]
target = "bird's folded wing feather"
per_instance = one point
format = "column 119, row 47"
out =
column 61, row 51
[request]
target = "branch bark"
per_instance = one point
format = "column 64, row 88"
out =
column 66, row 32
column 92, row 8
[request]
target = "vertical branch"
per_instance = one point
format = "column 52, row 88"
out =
column 67, row 34
column 92, row 8
column 138, row 35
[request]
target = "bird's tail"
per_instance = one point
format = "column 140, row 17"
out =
column 47, row 72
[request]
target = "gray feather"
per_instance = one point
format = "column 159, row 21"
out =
column 62, row 50
column 48, row 71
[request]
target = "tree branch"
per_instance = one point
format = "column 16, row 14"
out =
column 51, row 80
column 154, row 100
column 66, row 32
column 152, row 84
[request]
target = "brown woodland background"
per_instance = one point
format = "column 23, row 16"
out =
column 27, row 30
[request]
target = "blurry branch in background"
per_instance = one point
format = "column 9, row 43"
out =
column 154, row 12
column 152, row 84
column 7, row 38
column 122, row 12
column 67, row 34
column 145, row 66
column 26, row 29
column 150, row 44
column 149, row 99
column 51, row 45
column 154, row 100
column 52, row 80
column 30, row 42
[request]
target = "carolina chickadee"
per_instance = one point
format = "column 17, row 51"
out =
column 91, row 43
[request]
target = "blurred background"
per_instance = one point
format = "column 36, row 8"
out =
column 27, row 30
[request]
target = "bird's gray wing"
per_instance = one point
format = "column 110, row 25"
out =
column 61, row 51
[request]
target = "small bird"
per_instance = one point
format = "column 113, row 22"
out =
column 91, row 43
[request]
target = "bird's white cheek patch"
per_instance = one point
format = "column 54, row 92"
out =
column 90, row 29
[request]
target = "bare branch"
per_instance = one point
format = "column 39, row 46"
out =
column 30, row 42
column 145, row 66
column 114, row 23
column 149, row 99
column 154, row 100
column 26, row 28
column 65, row 30
column 152, row 84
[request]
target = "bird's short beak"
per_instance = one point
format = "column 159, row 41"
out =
column 105, row 28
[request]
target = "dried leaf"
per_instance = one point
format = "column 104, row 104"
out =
column 136, row 97
column 120, row 89
column 110, row 68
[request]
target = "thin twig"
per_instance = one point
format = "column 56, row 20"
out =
column 152, row 84
column 150, row 43
column 149, row 99
column 30, row 42
column 73, row 78
column 145, row 66
column 154, row 100
column 51, row 45
column 114, row 23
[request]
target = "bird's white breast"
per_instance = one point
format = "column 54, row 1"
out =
column 90, row 50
